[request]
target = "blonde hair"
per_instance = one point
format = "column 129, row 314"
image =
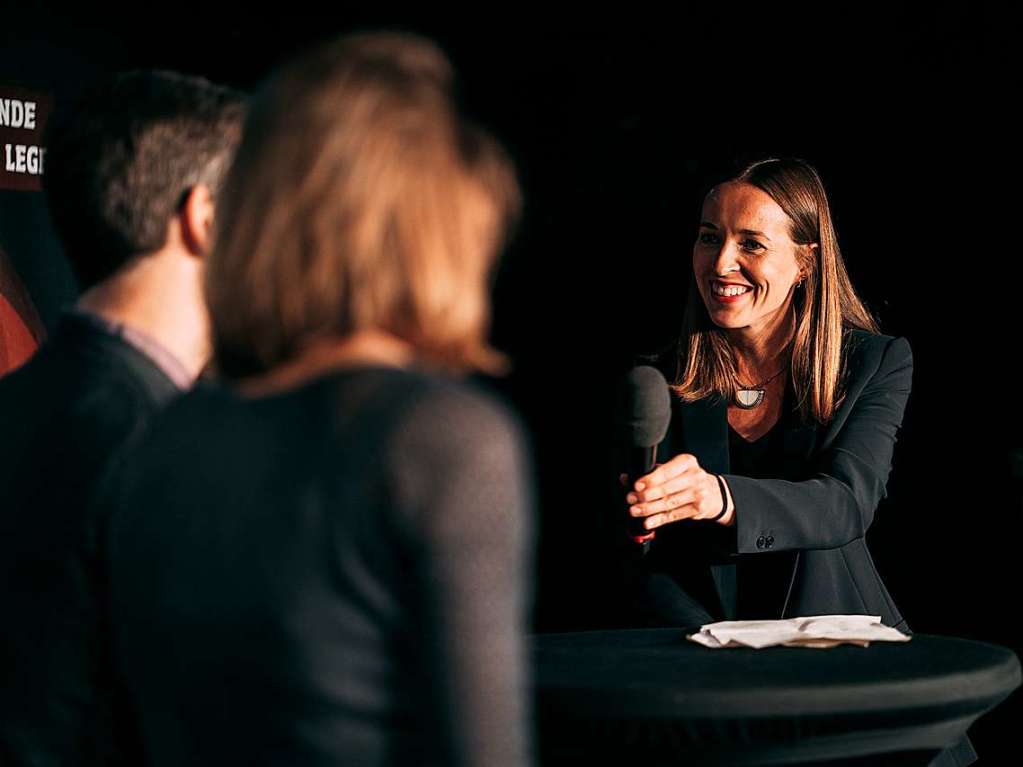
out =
column 826, row 308
column 359, row 199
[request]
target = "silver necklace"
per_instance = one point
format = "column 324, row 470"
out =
column 748, row 397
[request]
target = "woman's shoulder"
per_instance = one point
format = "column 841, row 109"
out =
column 864, row 346
column 458, row 434
column 409, row 413
column 407, row 397
column 886, row 359
column 446, row 409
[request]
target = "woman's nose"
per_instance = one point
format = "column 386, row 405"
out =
column 725, row 261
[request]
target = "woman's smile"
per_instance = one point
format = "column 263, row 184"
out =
column 729, row 292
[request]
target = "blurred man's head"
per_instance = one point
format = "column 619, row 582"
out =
column 130, row 157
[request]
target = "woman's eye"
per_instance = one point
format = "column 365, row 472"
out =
column 706, row 238
column 752, row 245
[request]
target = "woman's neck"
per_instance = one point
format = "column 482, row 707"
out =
column 760, row 352
column 373, row 348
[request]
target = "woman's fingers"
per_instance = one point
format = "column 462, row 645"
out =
column 684, row 512
column 667, row 503
column 623, row 478
column 673, row 485
column 679, row 464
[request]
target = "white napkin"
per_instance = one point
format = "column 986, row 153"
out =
column 813, row 631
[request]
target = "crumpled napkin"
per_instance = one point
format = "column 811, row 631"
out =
column 814, row 631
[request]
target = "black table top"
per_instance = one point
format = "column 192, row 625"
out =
column 841, row 701
column 661, row 671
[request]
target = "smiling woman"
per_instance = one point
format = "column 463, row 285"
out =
column 787, row 403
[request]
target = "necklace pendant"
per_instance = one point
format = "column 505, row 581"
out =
column 748, row 399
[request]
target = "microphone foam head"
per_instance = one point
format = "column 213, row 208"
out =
column 647, row 407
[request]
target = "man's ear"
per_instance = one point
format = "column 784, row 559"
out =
column 196, row 218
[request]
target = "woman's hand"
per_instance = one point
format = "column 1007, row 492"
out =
column 678, row 489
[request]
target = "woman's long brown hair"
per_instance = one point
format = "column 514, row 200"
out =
column 359, row 199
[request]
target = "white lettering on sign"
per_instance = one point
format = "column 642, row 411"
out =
column 19, row 158
column 15, row 113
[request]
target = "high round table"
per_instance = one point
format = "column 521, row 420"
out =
column 652, row 697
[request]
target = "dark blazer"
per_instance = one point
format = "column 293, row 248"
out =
column 814, row 516
column 64, row 414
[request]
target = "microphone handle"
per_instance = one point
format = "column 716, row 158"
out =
column 642, row 460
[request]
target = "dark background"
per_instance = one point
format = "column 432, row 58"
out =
column 619, row 125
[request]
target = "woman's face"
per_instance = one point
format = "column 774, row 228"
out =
column 744, row 248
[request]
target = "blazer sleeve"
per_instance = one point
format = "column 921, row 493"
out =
column 836, row 504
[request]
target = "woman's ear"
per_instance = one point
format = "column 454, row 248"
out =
column 811, row 256
column 196, row 219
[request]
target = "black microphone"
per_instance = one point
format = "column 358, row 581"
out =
column 646, row 416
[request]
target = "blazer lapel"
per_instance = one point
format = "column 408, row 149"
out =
column 703, row 431
column 701, row 428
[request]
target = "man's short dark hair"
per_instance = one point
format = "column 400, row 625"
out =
column 121, row 161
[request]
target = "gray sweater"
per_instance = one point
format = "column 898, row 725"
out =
column 332, row 575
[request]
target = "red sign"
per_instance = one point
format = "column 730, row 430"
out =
column 23, row 116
